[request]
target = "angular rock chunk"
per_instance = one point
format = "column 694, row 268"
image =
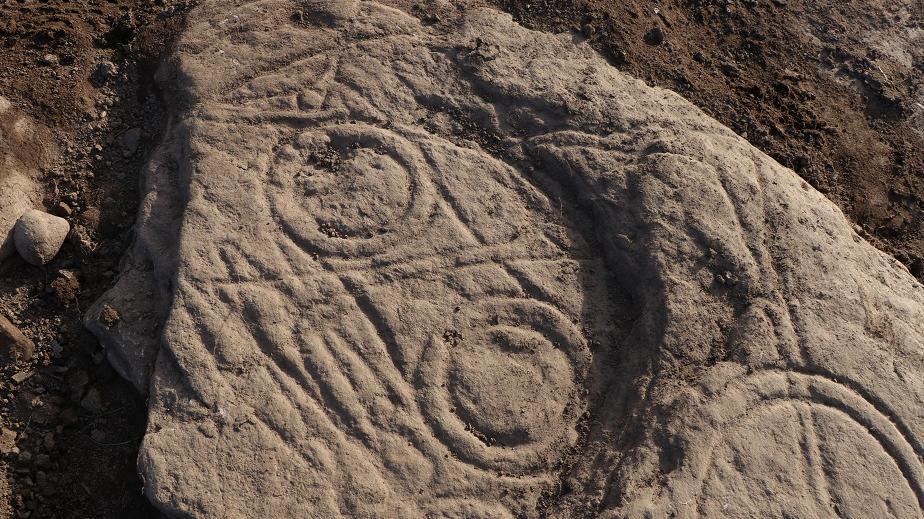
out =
column 14, row 202
column 14, row 346
column 465, row 269
column 39, row 236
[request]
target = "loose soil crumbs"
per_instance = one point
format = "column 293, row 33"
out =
column 69, row 425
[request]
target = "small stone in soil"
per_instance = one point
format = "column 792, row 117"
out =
column 92, row 401
column 39, row 236
column 22, row 376
column 103, row 73
column 655, row 36
column 65, row 287
column 14, row 345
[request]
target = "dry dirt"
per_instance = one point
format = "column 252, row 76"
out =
column 71, row 426
column 804, row 82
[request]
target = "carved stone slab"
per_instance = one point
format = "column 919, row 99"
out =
column 418, row 261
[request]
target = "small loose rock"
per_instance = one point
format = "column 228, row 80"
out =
column 655, row 36
column 104, row 72
column 65, row 287
column 38, row 236
column 14, row 345
column 22, row 376
column 109, row 316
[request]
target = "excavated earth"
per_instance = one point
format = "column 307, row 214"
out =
column 401, row 260
column 79, row 113
column 421, row 259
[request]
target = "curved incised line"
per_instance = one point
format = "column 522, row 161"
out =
column 909, row 466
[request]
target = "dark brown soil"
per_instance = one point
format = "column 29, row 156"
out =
column 834, row 90
column 77, row 424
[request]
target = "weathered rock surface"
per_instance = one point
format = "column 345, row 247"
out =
column 23, row 149
column 400, row 262
column 14, row 202
column 38, row 236
column 14, row 346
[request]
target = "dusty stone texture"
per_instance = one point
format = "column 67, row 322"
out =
column 402, row 261
column 38, row 236
column 142, row 291
column 14, row 346
column 24, row 147
column 14, row 202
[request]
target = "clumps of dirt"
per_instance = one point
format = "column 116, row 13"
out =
column 109, row 316
column 83, row 72
column 833, row 90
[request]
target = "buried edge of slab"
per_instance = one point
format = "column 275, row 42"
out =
column 399, row 261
